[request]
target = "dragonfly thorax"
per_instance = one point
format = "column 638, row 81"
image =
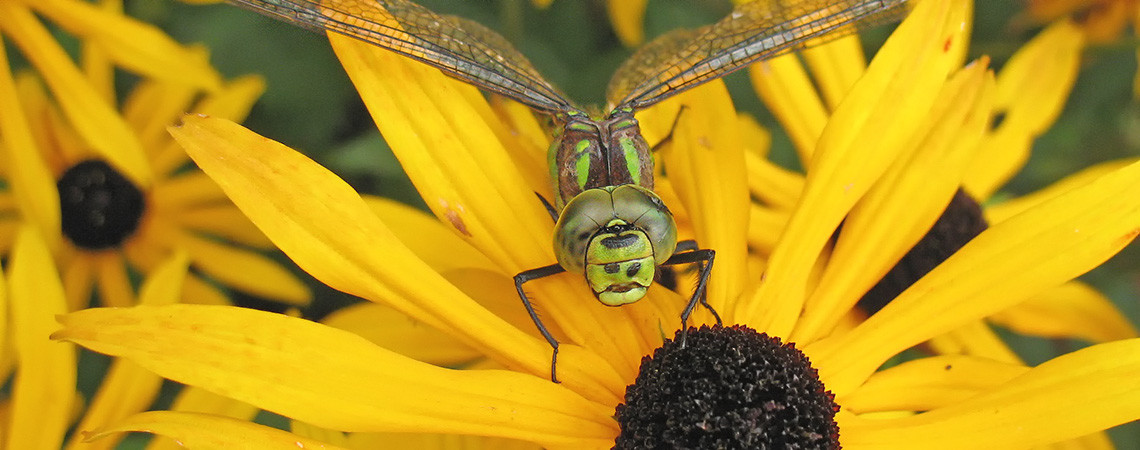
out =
column 590, row 153
column 615, row 236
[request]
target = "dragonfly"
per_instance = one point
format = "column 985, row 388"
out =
column 610, row 227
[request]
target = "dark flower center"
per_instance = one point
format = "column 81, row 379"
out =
column 959, row 223
column 727, row 388
column 99, row 207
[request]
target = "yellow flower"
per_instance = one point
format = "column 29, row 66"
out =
column 1031, row 89
column 477, row 172
column 105, row 184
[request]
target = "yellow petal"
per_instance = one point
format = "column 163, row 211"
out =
column 1070, row 396
column 331, row 378
column 776, row 186
column 873, row 124
column 929, row 383
column 304, row 209
column 245, row 270
column 626, row 16
column 232, row 102
column 784, row 86
column 29, row 178
column 225, row 221
column 92, row 116
column 44, row 385
column 197, row 400
column 191, row 188
column 1032, row 89
column 975, row 339
column 905, row 203
column 836, row 66
column 202, row 431
column 113, row 283
column 427, row 237
column 152, row 106
column 1004, row 210
column 401, row 334
column 705, row 163
column 1072, row 310
column 367, row 441
column 135, row 45
column 764, row 227
column 1014, row 260
column 126, row 389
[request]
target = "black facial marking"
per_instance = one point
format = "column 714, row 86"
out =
column 633, row 269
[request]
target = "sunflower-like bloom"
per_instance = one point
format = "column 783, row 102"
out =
column 1031, row 89
column 477, row 168
column 105, row 185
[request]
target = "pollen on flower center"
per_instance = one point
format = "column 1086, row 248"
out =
column 727, row 388
column 959, row 223
column 99, row 207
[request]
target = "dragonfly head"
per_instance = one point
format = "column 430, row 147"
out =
column 616, row 236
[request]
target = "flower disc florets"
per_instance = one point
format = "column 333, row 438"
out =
column 99, row 207
column 727, row 388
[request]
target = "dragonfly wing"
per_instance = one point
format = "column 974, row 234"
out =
column 459, row 47
column 754, row 31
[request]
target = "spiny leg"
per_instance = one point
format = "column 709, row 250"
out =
column 704, row 258
column 549, row 208
column 534, row 274
column 691, row 245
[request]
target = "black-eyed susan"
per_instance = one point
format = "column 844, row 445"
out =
column 466, row 160
column 1031, row 89
column 105, row 184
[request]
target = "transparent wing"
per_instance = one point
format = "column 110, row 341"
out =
column 753, row 31
column 459, row 47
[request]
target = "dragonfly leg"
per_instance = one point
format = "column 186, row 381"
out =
column 549, row 208
column 704, row 259
column 534, row 274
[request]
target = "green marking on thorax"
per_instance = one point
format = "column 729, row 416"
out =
column 582, row 167
column 632, row 161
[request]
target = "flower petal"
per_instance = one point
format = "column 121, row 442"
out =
column 91, row 115
column 232, row 102
column 705, row 163
column 784, row 86
column 1004, row 210
column 1070, row 396
column 1032, row 89
column 127, row 388
column 401, row 334
column 304, row 209
column 836, row 66
column 902, row 206
column 331, row 378
column 245, row 270
column 427, row 237
column 975, row 339
column 29, row 178
column 626, row 17
column 203, row 431
column 225, row 221
column 44, row 385
column 929, row 383
column 873, row 124
column 1050, row 244
column 1072, row 310
column 135, row 45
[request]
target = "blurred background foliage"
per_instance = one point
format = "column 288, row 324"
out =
column 311, row 106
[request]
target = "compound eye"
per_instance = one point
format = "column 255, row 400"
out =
column 644, row 210
column 582, row 217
